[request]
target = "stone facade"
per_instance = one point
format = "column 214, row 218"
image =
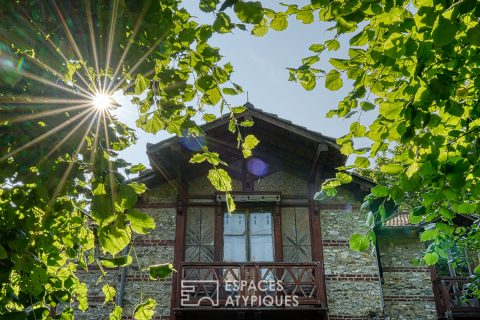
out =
column 354, row 286
column 407, row 288
column 352, row 278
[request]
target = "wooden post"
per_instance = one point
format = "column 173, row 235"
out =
column 316, row 240
column 218, row 232
column 277, row 233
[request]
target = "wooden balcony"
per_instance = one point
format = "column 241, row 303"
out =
column 451, row 302
column 266, row 287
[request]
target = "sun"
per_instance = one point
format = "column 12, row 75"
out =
column 102, row 101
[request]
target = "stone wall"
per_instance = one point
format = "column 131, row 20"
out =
column 96, row 307
column 157, row 247
column 352, row 278
column 153, row 248
column 283, row 182
column 407, row 288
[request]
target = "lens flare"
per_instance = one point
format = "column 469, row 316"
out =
column 257, row 167
column 102, row 101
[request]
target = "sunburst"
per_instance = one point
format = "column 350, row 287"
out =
column 90, row 100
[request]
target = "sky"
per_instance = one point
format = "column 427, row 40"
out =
column 260, row 68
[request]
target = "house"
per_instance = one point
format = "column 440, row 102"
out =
column 281, row 254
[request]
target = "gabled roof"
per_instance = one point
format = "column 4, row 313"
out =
column 259, row 114
column 283, row 143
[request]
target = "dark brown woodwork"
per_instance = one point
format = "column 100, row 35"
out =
column 450, row 300
column 180, row 224
column 277, row 233
column 301, row 279
column 316, row 238
column 218, row 236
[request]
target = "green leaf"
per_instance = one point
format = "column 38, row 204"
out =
column 208, row 117
column 141, row 84
column 222, row 23
column 431, row 258
column 367, row 106
column 306, row 16
column 136, row 168
column 359, row 242
column 390, row 110
column 230, row 203
column 249, row 143
column 361, row 162
column 109, row 292
column 332, row 45
column 392, row 168
column 307, row 79
column 116, row 314
column 118, row 261
column 161, row 271
column 101, row 189
column 467, row 208
column 246, row 123
column 3, row 253
column 229, row 91
column 260, row 30
column 140, row 222
column 102, row 208
column 220, row 179
column 146, row 310
column 379, row 191
column 249, row 11
column 343, row 178
column 340, row 64
column 208, row 5
column 456, row 180
column 114, row 239
column 205, row 83
column 429, row 235
column 473, row 35
column 333, row 81
column 126, row 197
column 279, row 23
column 318, row 48
column 238, row 110
column 138, row 187
column 446, row 213
column 444, row 31
column 199, row 158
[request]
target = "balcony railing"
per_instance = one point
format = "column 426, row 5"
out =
column 249, row 285
column 451, row 298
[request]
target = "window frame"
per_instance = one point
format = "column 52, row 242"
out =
column 247, row 211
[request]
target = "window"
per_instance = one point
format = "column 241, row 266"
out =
column 296, row 235
column 200, row 232
column 248, row 236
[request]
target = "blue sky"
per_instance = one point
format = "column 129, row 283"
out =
column 260, row 68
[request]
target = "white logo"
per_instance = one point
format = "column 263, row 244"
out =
column 199, row 292
column 196, row 293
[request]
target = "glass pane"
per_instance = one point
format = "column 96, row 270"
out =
column 234, row 224
column 261, row 248
column 260, row 223
column 234, row 249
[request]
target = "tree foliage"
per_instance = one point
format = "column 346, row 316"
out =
column 415, row 63
column 64, row 202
